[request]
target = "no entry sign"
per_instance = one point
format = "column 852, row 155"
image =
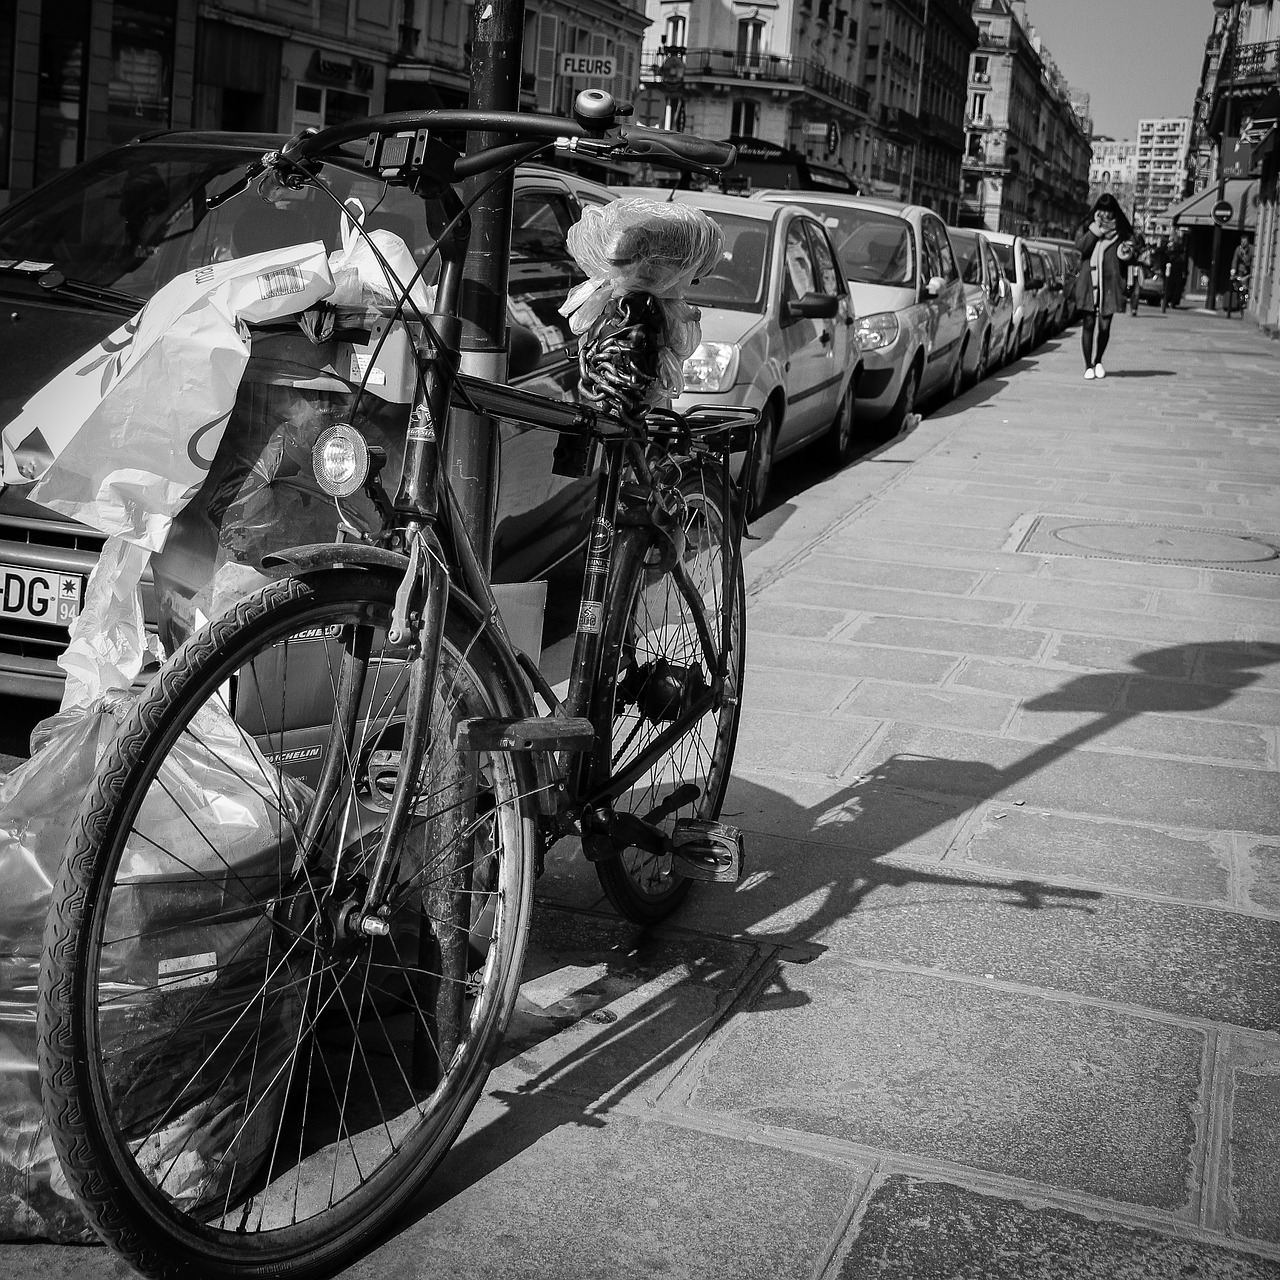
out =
column 1223, row 212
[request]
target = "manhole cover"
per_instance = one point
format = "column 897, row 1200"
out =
column 1165, row 544
column 1162, row 543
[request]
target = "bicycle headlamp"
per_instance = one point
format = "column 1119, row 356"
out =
column 340, row 460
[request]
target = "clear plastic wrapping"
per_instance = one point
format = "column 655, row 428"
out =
column 221, row 776
column 645, row 246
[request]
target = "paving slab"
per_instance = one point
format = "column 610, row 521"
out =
column 894, row 602
column 1254, row 1151
column 955, row 708
column 917, row 1229
column 945, row 637
column 1066, row 776
column 1155, row 735
column 1121, row 855
column 877, row 573
column 791, row 653
column 1062, row 1093
column 1212, row 965
column 546, row 1190
column 1262, row 885
column 855, row 815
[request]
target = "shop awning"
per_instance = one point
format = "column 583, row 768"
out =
column 1197, row 210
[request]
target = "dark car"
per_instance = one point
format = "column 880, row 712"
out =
column 89, row 248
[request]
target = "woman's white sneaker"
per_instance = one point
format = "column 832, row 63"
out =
column 1099, row 371
column 1089, row 373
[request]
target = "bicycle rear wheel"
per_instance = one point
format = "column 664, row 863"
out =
column 237, row 1083
column 667, row 616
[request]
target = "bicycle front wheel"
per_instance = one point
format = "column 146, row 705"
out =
column 675, row 620
column 239, row 1082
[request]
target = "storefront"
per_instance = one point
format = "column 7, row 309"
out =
column 1193, row 219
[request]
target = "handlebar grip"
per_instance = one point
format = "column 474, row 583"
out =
column 685, row 147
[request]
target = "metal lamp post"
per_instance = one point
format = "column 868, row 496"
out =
column 1211, row 298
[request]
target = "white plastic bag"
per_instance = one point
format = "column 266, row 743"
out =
column 646, row 246
column 360, row 281
column 123, row 434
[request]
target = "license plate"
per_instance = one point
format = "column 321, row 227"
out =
column 40, row 595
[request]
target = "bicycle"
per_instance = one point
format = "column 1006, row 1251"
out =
column 268, row 1007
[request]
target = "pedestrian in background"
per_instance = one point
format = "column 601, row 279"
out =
column 1106, row 249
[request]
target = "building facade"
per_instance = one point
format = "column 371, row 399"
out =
column 1161, row 167
column 1234, row 137
column 1027, row 151
column 787, row 74
column 1113, row 167
column 951, row 36
column 86, row 75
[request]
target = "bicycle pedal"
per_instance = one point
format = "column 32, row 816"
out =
column 704, row 850
column 536, row 733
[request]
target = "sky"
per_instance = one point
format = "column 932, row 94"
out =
column 1135, row 58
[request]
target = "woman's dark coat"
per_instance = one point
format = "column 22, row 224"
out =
column 1113, row 274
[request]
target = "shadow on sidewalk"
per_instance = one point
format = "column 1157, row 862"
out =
column 827, row 874
column 1142, row 373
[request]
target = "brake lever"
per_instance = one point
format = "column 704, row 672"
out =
column 252, row 170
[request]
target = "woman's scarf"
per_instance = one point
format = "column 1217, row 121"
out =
column 1095, row 268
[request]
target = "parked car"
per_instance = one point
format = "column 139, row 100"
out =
column 88, row 249
column 1015, row 260
column 910, row 301
column 1062, row 304
column 777, row 331
column 988, row 302
column 1069, row 256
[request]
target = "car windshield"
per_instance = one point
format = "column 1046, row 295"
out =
column 1004, row 256
column 737, row 281
column 873, row 248
column 968, row 259
column 138, row 216
column 134, row 218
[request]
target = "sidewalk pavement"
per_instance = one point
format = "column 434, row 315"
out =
column 1000, row 994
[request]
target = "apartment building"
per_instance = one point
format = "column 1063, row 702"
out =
column 86, row 75
column 784, row 78
column 1027, row 151
column 1113, row 167
column 1160, row 172
column 951, row 36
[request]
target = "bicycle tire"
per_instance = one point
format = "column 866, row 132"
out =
column 640, row 634
column 106, row 1072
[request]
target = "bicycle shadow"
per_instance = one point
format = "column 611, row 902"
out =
column 634, row 1004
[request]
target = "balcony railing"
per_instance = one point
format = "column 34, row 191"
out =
column 1251, row 61
column 674, row 64
column 943, row 130
column 898, row 121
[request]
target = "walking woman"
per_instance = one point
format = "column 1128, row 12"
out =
column 1106, row 246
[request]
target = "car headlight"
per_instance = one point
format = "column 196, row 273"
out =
column 712, row 367
column 971, row 313
column 878, row 330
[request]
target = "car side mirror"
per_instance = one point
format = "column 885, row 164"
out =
column 813, row 306
column 935, row 286
column 525, row 353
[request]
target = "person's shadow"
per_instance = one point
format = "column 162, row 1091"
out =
column 805, row 894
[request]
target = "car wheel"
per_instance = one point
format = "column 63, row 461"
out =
column 905, row 405
column 762, row 463
column 839, row 441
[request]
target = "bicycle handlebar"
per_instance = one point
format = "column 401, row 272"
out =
column 595, row 123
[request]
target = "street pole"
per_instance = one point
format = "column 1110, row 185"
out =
column 471, row 452
column 1211, row 298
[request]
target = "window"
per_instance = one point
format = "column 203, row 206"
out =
column 540, row 222
column 828, row 272
column 744, row 119
column 141, row 68
column 673, row 115
column 978, row 105
column 980, row 64
column 7, row 16
column 750, row 35
column 674, row 32
column 994, row 274
column 60, row 103
column 319, row 108
column 800, row 276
